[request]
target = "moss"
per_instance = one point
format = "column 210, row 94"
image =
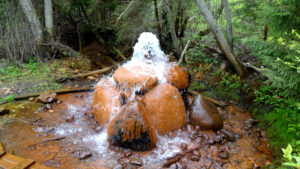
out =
column 197, row 86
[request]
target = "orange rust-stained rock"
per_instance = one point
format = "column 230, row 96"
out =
column 177, row 76
column 165, row 108
column 106, row 100
column 136, row 76
column 204, row 114
column 132, row 129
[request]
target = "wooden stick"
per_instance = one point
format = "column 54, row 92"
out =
column 183, row 52
column 219, row 103
column 84, row 89
column 3, row 102
column 81, row 75
column 119, row 53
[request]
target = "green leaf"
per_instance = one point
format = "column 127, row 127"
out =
column 288, row 152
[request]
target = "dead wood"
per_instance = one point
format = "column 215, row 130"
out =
column 217, row 102
column 119, row 53
column 183, row 52
column 3, row 102
column 247, row 65
column 63, row 91
column 81, row 75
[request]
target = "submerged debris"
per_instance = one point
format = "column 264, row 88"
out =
column 47, row 98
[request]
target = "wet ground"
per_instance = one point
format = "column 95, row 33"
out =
column 65, row 135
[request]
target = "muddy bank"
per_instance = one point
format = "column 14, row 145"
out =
column 65, row 135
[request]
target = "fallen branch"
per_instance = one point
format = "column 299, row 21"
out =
column 3, row 102
column 47, row 140
column 219, row 103
column 247, row 65
column 183, row 52
column 124, row 11
column 119, row 53
column 64, row 49
column 84, row 89
column 81, row 75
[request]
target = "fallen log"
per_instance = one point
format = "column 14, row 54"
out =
column 81, row 75
column 219, row 103
column 63, row 91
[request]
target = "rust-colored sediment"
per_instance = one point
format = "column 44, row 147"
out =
column 17, row 133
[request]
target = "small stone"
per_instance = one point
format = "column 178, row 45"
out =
column 136, row 161
column 184, row 146
column 196, row 153
column 70, row 118
column 91, row 78
column 173, row 166
column 128, row 154
column 124, row 160
column 194, row 158
column 47, row 98
column 3, row 111
column 59, row 101
column 263, row 134
column 31, row 98
column 98, row 129
column 76, row 86
column 223, row 154
column 82, row 154
column 51, row 111
column 79, row 96
column 118, row 166
column 231, row 136
column 76, row 71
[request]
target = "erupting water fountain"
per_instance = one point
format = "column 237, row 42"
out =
column 142, row 99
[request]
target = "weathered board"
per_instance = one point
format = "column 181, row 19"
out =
column 10, row 161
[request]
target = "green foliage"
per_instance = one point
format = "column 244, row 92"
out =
column 292, row 160
column 282, row 79
column 283, row 121
column 280, row 15
column 8, row 98
column 197, row 86
column 293, row 45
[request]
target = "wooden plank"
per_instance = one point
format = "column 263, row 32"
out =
column 24, row 164
column 2, row 150
column 6, row 164
column 12, row 159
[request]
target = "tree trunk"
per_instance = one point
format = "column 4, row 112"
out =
column 218, row 14
column 229, row 24
column 266, row 32
column 157, row 21
column 172, row 29
column 239, row 67
column 49, row 18
column 33, row 20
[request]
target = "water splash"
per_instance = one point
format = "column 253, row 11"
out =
column 147, row 54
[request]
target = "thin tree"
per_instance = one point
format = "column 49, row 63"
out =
column 172, row 29
column 157, row 20
column 33, row 20
column 229, row 24
column 49, row 18
column 238, row 66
